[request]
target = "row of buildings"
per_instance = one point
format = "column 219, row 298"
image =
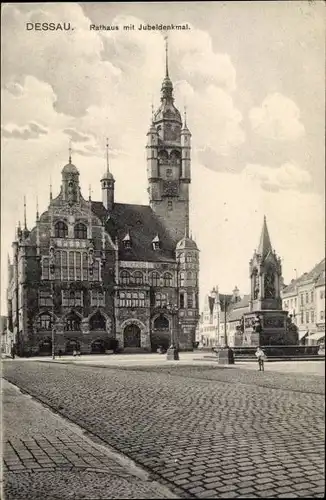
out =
column 303, row 299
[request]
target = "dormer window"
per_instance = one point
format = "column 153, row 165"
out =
column 127, row 241
column 156, row 243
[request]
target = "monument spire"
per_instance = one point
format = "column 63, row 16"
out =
column 70, row 151
column 265, row 245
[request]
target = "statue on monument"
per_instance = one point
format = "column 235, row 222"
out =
column 269, row 285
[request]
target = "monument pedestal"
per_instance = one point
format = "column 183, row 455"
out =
column 225, row 356
column 172, row 353
column 273, row 328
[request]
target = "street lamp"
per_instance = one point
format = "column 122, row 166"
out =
column 172, row 352
column 53, row 328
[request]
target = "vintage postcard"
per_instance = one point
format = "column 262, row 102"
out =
column 162, row 249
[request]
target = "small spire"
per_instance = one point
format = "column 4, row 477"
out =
column 90, row 192
column 185, row 115
column 152, row 108
column 166, row 56
column 37, row 213
column 107, row 156
column 25, row 221
column 50, row 189
column 70, row 151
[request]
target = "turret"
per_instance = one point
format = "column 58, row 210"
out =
column 152, row 144
column 107, row 183
column 70, row 182
column 186, row 150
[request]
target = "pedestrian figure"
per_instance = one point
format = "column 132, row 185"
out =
column 74, row 353
column 13, row 353
column 78, row 353
column 261, row 356
column 60, row 352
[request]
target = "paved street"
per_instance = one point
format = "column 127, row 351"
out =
column 205, row 431
column 46, row 457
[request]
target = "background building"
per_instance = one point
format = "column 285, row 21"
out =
column 91, row 272
column 304, row 298
column 213, row 328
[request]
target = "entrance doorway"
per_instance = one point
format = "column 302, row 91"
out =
column 45, row 347
column 72, row 345
column 131, row 336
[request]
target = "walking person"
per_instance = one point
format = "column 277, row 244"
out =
column 261, row 356
column 74, row 353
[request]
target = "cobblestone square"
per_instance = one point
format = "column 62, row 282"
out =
column 202, row 431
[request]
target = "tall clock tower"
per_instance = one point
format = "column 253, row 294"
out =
column 168, row 162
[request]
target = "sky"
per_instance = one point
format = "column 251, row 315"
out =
column 251, row 75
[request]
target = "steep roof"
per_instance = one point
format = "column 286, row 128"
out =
column 316, row 274
column 143, row 225
column 239, row 308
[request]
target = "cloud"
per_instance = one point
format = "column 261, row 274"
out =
column 30, row 131
column 277, row 118
column 76, row 136
column 286, row 177
column 199, row 63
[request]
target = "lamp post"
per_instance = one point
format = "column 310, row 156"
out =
column 53, row 328
column 172, row 352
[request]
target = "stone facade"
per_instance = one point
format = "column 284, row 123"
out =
column 90, row 273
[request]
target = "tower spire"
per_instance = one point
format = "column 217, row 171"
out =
column 70, row 151
column 166, row 56
column 90, row 192
column 25, row 220
column 37, row 213
column 50, row 189
column 107, row 156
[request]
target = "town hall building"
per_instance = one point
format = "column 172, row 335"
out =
column 94, row 272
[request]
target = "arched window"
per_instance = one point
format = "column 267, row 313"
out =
column 189, row 275
column 45, row 322
column 161, row 323
column 72, row 322
column 138, row 278
column 97, row 322
column 125, row 277
column 167, row 279
column 96, row 271
column 60, row 230
column 80, row 231
column 154, row 279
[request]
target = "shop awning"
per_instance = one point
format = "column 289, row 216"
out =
column 317, row 335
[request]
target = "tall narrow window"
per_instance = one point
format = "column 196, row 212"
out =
column 80, row 231
column 141, row 299
column 96, row 271
column 122, row 299
column 125, row 277
column 45, row 322
column 167, row 279
column 182, row 301
column 85, row 266
column 45, row 268
column 155, row 279
column 60, row 230
column 64, row 263
column 78, row 266
column 71, row 266
column 190, row 301
column 138, row 278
